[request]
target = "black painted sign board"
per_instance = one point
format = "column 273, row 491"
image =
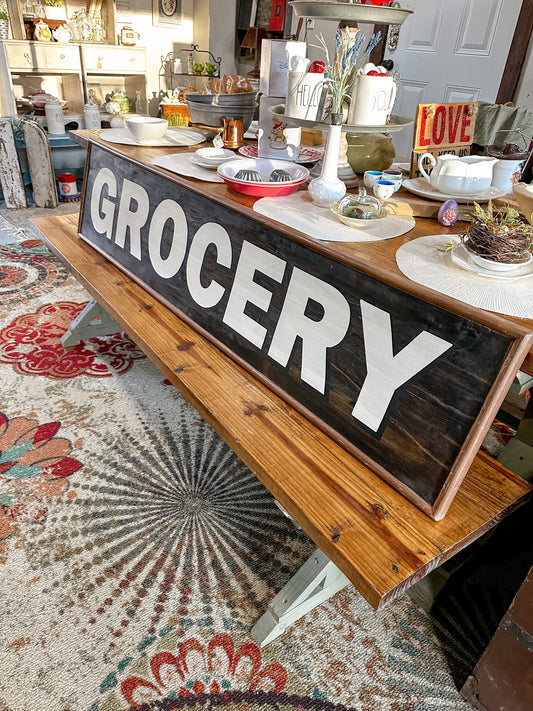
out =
column 405, row 383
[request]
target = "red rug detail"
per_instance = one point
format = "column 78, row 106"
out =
column 32, row 344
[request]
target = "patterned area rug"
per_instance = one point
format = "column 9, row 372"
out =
column 137, row 551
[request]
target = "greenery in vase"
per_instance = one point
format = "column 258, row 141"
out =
column 4, row 15
column 349, row 60
column 53, row 3
column 498, row 234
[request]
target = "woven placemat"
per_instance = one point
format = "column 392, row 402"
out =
column 299, row 212
column 426, row 261
column 181, row 163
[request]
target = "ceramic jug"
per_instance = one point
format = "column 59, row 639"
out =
column 458, row 176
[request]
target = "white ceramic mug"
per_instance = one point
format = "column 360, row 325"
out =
column 304, row 93
column 395, row 176
column 370, row 177
column 372, row 100
column 383, row 189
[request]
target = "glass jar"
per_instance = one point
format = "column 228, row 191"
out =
column 370, row 151
column 55, row 119
column 91, row 114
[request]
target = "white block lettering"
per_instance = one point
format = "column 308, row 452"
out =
column 317, row 336
column 102, row 209
column 168, row 266
column 387, row 372
column 132, row 219
column 245, row 290
column 209, row 233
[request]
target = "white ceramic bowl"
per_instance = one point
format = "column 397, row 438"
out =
column 214, row 156
column 146, row 129
column 494, row 266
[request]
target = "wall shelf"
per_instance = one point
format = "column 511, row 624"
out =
column 167, row 72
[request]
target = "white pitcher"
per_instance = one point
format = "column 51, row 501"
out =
column 458, row 176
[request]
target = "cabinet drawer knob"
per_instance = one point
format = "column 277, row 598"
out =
column 62, row 56
column 132, row 59
column 27, row 58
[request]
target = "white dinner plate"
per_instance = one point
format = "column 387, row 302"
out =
column 461, row 258
column 203, row 164
column 173, row 137
column 420, row 186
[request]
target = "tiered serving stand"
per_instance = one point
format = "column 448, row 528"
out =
column 349, row 12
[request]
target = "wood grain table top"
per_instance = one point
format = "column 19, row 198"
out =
column 374, row 258
column 379, row 540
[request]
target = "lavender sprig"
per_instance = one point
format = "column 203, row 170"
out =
column 341, row 75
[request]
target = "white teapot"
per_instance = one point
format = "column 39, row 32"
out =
column 458, row 176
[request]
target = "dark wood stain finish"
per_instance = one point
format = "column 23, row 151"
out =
column 420, row 446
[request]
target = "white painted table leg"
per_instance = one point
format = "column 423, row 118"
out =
column 317, row 580
column 92, row 321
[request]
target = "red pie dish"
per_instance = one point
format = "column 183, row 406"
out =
column 265, row 188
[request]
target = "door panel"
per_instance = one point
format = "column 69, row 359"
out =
column 478, row 27
column 450, row 51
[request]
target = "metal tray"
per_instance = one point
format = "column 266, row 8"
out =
column 329, row 10
column 395, row 122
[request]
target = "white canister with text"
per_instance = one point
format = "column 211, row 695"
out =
column 304, row 93
column 372, row 100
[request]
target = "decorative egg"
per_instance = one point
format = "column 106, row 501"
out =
column 448, row 213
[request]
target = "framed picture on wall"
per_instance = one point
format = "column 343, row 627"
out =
column 166, row 13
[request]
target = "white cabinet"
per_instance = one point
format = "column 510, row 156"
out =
column 114, row 60
column 69, row 71
column 56, row 68
column 111, row 68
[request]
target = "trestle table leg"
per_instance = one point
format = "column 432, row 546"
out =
column 92, row 321
column 317, row 580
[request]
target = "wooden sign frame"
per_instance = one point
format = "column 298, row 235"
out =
column 407, row 380
column 440, row 129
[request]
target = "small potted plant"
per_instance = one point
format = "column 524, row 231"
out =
column 4, row 23
column 54, row 10
column 498, row 239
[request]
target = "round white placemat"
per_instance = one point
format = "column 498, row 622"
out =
column 182, row 164
column 299, row 212
column 425, row 261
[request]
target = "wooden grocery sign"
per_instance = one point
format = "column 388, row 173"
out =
column 397, row 379
column 441, row 129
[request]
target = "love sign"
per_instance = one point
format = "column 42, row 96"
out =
column 397, row 378
column 444, row 125
column 442, row 129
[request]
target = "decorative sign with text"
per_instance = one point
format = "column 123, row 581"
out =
column 396, row 378
column 441, row 129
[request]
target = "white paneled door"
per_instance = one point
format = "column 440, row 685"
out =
column 451, row 50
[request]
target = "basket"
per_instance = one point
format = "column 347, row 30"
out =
column 176, row 114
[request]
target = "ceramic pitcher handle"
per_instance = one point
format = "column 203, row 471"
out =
column 431, row 159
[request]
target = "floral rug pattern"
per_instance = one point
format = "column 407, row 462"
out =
column 137, row 551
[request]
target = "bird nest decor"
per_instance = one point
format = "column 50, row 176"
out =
column 499, row 235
